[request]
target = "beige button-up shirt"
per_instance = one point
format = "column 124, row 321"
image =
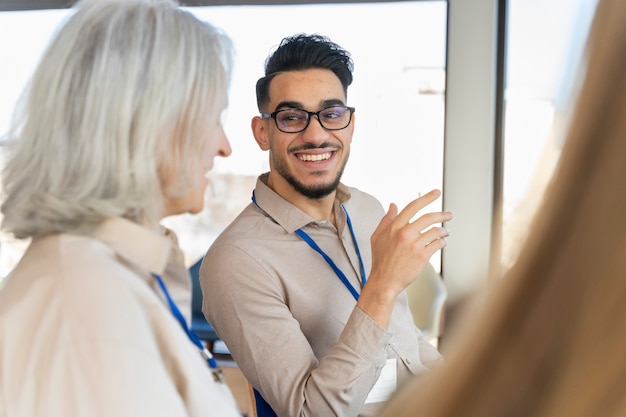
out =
column 85, row 331
column 290, row 323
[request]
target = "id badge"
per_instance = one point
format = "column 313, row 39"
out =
column 386, row 384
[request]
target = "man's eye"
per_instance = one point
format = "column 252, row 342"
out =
column 292, row 117
column 332, row 114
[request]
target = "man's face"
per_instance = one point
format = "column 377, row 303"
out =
column 310, row 162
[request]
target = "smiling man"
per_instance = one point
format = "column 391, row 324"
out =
column 306, row 286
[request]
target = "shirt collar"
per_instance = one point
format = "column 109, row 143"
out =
column 283, row 212
column 135, row 243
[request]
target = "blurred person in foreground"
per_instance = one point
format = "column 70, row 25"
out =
column 550, row 339
column 306, row 286
column 116, row 130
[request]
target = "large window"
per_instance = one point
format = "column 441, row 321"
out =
column 545, row 43
column 397, row 149
column 398, row 91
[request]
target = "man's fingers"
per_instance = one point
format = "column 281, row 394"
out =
column 390, row 215
column 434, row 234
column 416, row 205
column 429, row 219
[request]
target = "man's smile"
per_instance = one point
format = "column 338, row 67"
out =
column 314, row 157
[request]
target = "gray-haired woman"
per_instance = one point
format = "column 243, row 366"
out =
column 116, row 130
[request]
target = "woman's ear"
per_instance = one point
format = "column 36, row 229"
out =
column 260, row 133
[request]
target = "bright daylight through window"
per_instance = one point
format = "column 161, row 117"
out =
column 398, row 91
column 544, row 47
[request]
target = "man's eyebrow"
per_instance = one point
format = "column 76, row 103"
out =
column 331, row 102
column 297, row 105
column 289, row 105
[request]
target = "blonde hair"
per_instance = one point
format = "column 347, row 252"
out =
column 124, row 87
column 550, row 339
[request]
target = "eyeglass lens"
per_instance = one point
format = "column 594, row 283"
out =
column 295, row 120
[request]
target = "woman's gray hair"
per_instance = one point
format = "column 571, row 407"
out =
column 124, row 88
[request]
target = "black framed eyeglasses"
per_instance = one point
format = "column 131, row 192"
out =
column 297, row 120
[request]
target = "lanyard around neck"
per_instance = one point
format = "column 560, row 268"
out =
column 304, row 236
column 206, row 354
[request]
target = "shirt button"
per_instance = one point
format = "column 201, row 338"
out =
column 408, row 361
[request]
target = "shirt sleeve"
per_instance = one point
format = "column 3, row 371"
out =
column 248, row 308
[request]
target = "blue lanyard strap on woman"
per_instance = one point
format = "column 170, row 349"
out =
column 327, row 258
column 218, row 375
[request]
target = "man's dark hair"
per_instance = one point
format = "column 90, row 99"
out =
column 302, row 52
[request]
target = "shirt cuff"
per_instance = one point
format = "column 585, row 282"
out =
column 366, row 337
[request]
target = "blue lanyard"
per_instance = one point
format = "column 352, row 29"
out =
column 206, row 354
column 304, row 236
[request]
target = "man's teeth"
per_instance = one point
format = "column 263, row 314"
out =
column 315, row 158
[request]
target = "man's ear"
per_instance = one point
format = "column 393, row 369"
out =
column 260, row 133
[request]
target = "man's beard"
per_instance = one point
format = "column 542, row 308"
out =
column 313, row 192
